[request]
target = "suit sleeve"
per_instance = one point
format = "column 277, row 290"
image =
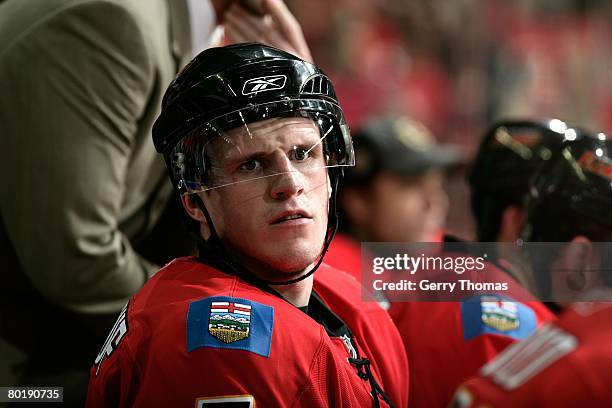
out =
column 74, row 87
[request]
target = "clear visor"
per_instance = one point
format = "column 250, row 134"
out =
column 267, row 140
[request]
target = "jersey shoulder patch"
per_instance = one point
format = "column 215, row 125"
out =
column 492, row 314
column 230, row 323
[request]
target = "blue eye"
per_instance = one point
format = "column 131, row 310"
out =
column 250, row 165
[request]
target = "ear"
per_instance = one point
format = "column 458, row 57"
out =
column 511, row 224
column 577, row 259
column 192, row 208
column 436, row 214
column 436, row 197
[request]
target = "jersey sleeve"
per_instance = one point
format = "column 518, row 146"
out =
column 490, row 324
column 447, row 342
column 540, row 371
column 114, row 377
column 113, row 386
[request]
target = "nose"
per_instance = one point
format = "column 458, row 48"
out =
column 288, row 183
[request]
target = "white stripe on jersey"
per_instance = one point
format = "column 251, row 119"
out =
column 523, row 360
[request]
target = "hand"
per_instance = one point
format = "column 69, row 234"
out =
column 278, row 28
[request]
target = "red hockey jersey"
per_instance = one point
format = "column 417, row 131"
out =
column 447, row 342
column 566, row 364
column 195, row 336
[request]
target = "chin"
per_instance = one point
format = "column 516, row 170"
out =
column 292, row 258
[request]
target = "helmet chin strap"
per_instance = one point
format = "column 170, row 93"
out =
column 212, row 249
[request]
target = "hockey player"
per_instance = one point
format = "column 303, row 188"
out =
column 509, row 155
column 447, row 342
column 254, row 141
column 566, row 364
column 395, row 191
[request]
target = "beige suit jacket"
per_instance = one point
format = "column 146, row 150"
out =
column 81, row 83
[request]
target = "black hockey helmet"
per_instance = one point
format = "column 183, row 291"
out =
column 228, row 87
column 508, row 156
column 572, row 194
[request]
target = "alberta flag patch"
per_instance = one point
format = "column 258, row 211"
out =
column 226, row 322
column 494, row 314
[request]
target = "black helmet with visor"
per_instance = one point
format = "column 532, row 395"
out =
column 508, row 156
column 228, row 88
column 209, row 111
column 570, row 196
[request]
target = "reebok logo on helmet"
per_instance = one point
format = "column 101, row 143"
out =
column 261, row 84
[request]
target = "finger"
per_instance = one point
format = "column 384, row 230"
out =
column 233, row 34
column 288, row 26
column 274, row 37
column 246, row 30
column 281, row 15
column 277, row 41
column 240, row 12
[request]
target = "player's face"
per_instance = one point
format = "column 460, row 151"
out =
column 272, row 212
column 407, row 210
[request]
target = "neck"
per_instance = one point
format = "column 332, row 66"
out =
column 298, row 294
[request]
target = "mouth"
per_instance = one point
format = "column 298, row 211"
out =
column 290, row 217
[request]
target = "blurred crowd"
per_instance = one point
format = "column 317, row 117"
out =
column 458, row 66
